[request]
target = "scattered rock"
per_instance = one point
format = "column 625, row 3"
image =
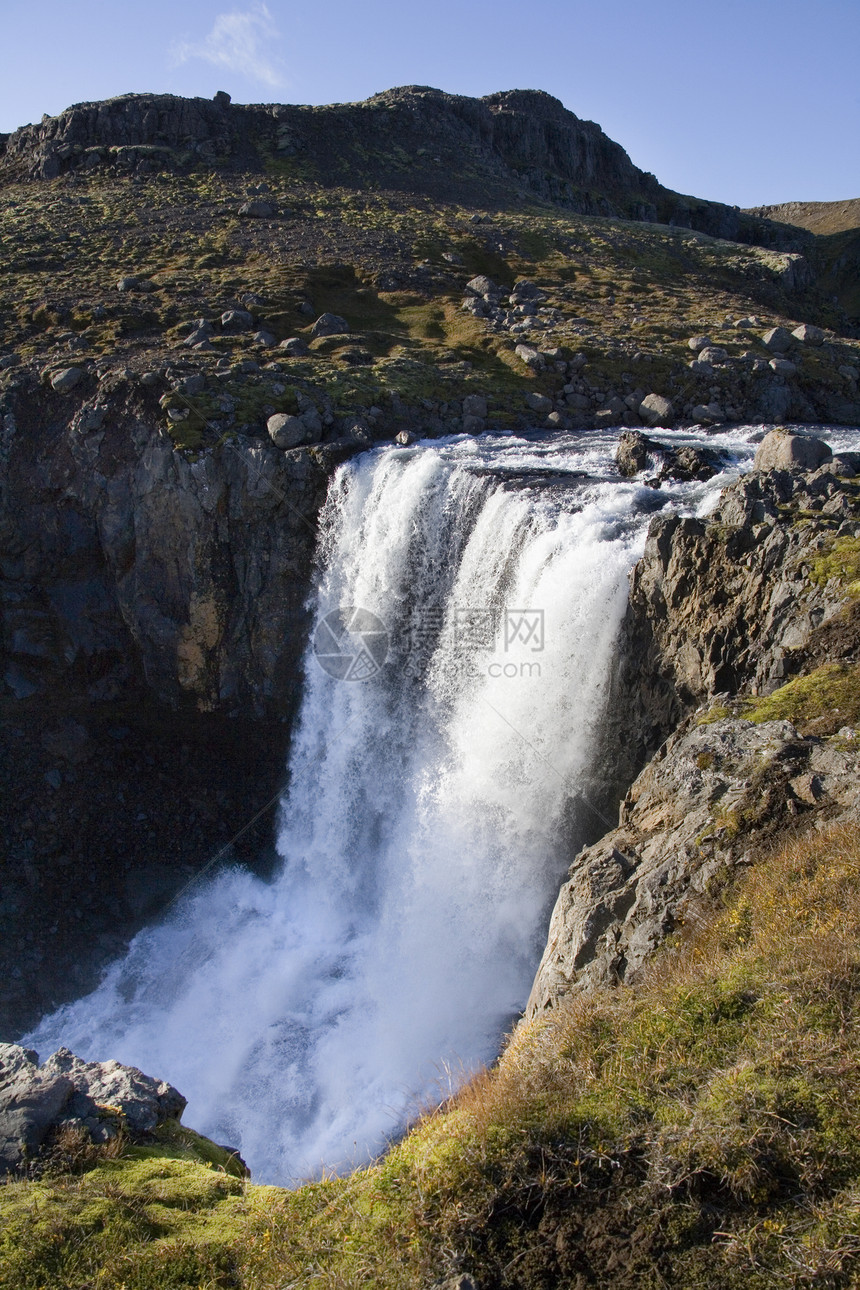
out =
column 236, row 320
column 287, row 431
column 474, row 405
column 294, row 346
column 697, row 343
column 538, row 402
column 264, row 339
column 656, row 410
column 778, row 339
column 257, row 209
column 780, row 450
column 531, row 357
column 708, row 414
column 809, row 335
column 66, row 379
column 330, row 325
column 713, row 354
column 483, row 286
column 783, row 366
column 191, row 385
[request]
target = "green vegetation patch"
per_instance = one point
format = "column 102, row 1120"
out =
column 831, row 691
column 841, row 561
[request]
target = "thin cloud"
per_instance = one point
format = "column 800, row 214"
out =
column 240, row 42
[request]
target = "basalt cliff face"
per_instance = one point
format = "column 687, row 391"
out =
column 415, row 138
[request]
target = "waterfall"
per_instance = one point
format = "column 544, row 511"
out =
column 468, row 596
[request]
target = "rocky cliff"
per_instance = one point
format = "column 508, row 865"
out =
column 743, row 619
column 415, row 138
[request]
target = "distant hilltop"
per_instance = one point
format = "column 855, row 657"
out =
column 505, row 148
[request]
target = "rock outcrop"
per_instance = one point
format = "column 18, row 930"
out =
column 713, row 793
column 736, row 604
column 728, row 602
column 120, row 556
column 98, row 1098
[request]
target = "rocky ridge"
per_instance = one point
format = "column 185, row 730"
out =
column 433, row 142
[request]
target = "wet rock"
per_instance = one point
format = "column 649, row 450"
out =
column 708, row 414
column 474, row 405
column 633, row 453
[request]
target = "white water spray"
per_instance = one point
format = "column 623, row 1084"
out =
column 429, row 818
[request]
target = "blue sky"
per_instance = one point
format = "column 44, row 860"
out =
column 742, row 101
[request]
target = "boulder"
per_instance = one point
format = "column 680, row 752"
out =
column 656, row 410
column 697, row 343
column 66, row 379
column 713, row 354
column 330, row 325
column 708, row 414
column 808, row 335
column 778, row 340
column 531, row 357
column 538, row 402
column 474, row 405
column 257, row 209
column 783, row 366
column 294, row 346
column 483, row 286
column 780, row 450
column 287, row 431
column 633, row 452
column 30, row 1103
column 145, row 1102
column 236, row 320
column 34, row 1100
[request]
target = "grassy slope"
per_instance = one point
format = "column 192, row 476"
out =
column 701, row 1129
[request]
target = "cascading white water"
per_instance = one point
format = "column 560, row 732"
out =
column 430, row 813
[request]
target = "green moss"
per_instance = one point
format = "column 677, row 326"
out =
column 841, row 561
column 831, row 691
